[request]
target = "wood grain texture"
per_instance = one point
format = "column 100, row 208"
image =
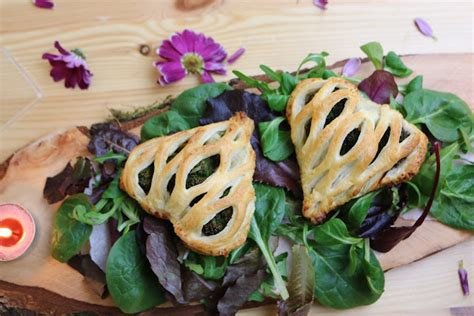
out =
column 30, row 166
column 278, row 33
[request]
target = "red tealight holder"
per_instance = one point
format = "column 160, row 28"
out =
column 17, row 231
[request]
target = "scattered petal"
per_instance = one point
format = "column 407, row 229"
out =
column 236, row 55
column 463, row 278
column 70, row 66
column 44, row 4
column 424, row 27
column 321, row 4
column 351, row 67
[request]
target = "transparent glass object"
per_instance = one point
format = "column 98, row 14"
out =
column 18, row 91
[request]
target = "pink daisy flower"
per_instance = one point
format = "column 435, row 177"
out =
column 70, row 66
column 189, row 52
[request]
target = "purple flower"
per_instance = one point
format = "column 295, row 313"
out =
column 351, row 67
column 190, row 52
column 70, row 66
column 44, row 4
column 424, row 27
column 321, row 4
column 463, row 278
column 236, row 55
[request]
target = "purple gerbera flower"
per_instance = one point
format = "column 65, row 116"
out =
column 70, row 66
column 190, row 52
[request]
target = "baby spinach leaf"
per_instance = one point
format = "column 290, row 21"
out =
column 356, row 211
column 130, row 281
column 334, row 232
column 166, row 123
column 300, row 283
column 374, row 51
column 269, row 212
column 427, row 171
column 453, row 206
column 185, row 112
column 414, row 84
column 191, row 103
column 276, row 102
column 276, row 143
column 69, row 235
column 344, row 280
column 444, row 114
column 395, row 65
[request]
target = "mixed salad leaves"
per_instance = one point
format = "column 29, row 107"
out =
column 333, row 263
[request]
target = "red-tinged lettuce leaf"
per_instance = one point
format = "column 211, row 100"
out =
column 250, row 263
column 284, row 173
column 94, row 277
column 379, row 86
column 301, row 283
column 105, row 137
column 69, row 181
column 196, row 287
column 238, row 294
column 383, row 212
column 163, row 256
column 388, row 238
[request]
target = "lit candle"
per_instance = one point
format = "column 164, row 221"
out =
column 17, row 231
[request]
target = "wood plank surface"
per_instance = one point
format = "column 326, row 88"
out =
column 278, row 33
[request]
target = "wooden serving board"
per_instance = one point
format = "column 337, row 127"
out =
column 38, row 282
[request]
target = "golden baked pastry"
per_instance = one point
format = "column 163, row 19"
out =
column 191, row 204
column 347, row 145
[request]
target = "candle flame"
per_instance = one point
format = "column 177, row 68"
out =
column 5, row 232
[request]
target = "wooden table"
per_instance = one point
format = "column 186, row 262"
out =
column 278, row 33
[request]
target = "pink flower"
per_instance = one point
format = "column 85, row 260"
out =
column 190, row 52
column 321, row 4
column 44, row 4
column 236, row 55
column 70, row 66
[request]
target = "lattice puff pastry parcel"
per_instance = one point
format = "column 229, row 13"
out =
column 347, row 145
column 191, row 208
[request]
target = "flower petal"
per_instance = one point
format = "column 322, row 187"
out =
column 206, row 77
column 44, row 4
column 179, row 43
column 351, row 67
column 170, row 72
column 424, row 27
column 168, row 51
column 321, row 4
column 61, row 49
column 218, row 68
column 236, row 55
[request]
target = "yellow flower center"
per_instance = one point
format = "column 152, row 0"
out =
column 193, row 63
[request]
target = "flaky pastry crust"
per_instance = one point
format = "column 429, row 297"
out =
column 322, row 113
column 174, row 156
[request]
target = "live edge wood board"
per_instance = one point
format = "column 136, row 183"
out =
column 38, row 282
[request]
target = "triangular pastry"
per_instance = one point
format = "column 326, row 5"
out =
column 347, row 145
column 189, row 202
